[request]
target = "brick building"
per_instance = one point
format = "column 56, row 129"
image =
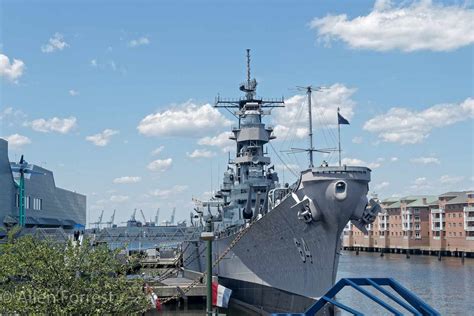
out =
column 421, row 223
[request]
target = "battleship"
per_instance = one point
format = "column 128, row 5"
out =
column 289, row 236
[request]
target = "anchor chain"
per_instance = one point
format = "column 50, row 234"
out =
column 216, row 262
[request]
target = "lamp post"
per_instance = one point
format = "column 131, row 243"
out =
column 208, row 236
column 22, row 168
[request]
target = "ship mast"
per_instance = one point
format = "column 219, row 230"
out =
column 310, row 134
column 309, row 91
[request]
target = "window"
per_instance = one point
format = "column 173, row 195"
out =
column 417, row 235
column 37, row 204
column 17, row 200
column 454, row 234
column 27, row 201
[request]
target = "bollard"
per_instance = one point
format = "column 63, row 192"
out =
column 381, row 252
column 462, row 257
column 439, row 255
column 357, row 251
column 407, row 253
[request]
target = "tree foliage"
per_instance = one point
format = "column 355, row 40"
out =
column 43, row 277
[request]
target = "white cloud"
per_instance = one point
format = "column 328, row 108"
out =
column 411, row 26
column 420, row 183
column 102, row 139
column 108, row 65
column 165, row 193
column 373, row 165
column 12, row 71
column 55, row 124
column 127, row 179
column 12, row 117
column 55, row 43
column 160, row 164
column 358, row 162
column 353, row 162
column 292, row 119
column 381, row 185
column 404, row 126
column 394, row 159
column 73, row 93
column 222, row 140
column 357, row 140
column 139, row 42
column 426, row 160
column 17, row 140
column 447, row 179
column 189, row 119
column 119, row 198
column 157, row 151
column 201, row 153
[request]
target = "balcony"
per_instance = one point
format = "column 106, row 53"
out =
column 469, row 228
column 468, row 209
column 437, row 211
column 437, row 228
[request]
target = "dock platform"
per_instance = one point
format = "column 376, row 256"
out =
column 174, row 285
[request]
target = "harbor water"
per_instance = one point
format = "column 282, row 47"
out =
column 446, row 285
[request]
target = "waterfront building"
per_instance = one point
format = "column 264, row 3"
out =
column 452, row 222
column 424, row 223
column 46, row 205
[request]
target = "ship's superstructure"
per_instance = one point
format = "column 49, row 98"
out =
column 288, row 235
column 45, row 205
column 249, row 177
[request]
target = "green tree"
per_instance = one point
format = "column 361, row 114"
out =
column 43, row 277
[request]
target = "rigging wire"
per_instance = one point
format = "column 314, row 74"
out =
column 282, row 161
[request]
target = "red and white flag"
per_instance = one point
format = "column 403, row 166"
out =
column 220, row 295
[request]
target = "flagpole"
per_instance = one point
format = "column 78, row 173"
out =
column 339, row 136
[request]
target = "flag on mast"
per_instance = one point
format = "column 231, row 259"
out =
column 341, row 120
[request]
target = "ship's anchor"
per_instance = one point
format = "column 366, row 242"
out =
column 307, row 211
column 368, row 216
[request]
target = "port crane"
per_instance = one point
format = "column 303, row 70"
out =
column 171, row 221
column 99, row 221
column 132, row 222
column 110, row 223
column 172, row 216
column 157, row 216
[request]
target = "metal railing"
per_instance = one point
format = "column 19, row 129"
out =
column 407, row 299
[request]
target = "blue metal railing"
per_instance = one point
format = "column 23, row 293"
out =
column 410, row 301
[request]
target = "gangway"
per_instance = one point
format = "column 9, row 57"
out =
column 408, row 300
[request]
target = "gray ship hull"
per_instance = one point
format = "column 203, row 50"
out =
column 283, row 263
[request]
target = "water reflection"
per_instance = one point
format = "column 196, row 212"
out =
column 446, row 285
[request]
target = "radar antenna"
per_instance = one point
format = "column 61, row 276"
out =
column 250, row 89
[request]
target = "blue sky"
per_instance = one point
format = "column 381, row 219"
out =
column 90, row 90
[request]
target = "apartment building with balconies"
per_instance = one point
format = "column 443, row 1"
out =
column 452, row 222
column 425, row 223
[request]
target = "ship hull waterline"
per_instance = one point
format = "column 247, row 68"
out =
column 283, row 263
